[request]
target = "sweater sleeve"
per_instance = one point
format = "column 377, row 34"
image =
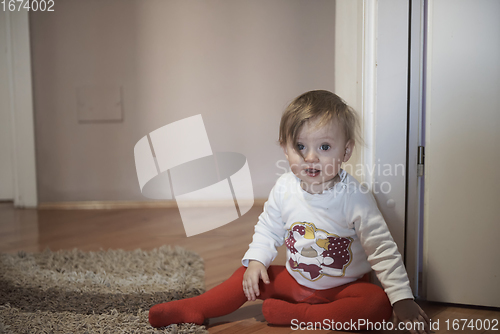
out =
column 269, row 231
column 381, row 250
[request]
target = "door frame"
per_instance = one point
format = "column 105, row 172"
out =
column 393, row 45
column 21, row 108
column 416, row 138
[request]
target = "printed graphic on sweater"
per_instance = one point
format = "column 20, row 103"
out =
column 315, row 253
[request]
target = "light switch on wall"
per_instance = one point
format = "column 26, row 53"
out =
column 99, row 104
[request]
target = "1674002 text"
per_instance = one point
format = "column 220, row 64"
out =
column 27, row 5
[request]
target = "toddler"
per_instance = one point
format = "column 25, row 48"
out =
column 334, row 234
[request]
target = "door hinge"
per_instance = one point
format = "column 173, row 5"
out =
column 420, row 161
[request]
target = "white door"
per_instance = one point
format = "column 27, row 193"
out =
column 462, row 158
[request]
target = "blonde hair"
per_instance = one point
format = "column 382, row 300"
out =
column 321, row 104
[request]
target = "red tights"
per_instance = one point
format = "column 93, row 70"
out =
column 284, row 300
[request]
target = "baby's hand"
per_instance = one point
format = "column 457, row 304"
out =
column 408, row 311
column 254, row 272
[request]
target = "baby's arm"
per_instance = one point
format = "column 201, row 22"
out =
column 269, row 234
column 384, row 258
column 255, row 271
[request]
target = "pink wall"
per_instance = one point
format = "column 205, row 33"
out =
column 237, row 63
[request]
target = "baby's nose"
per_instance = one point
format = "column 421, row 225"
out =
column 311, row 157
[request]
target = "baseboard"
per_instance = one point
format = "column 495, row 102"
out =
column 106, row 205
column 99, row 205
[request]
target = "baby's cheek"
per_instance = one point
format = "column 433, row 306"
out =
column 295, row 169
column 331, row 168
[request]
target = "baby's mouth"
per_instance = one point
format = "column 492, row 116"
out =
column 312, row 172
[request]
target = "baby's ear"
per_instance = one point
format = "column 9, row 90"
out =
column 349, row 147
column 285, row 150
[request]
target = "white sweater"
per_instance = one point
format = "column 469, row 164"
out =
column 332, row 238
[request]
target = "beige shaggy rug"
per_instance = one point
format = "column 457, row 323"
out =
column 95, row 292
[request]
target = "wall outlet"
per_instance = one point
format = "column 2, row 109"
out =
column 99, row 104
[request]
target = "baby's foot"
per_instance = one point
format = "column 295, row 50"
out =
column 175, row 312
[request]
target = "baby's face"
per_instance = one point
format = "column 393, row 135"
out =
column 323, row 149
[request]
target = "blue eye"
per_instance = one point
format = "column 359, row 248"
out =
column 300, row 147
column 325, row 147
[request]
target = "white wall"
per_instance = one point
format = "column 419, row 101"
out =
column 372, row 73
column 238, row 63
column 17, row 147
column 349, row 67
column 6, row 173
column 390, row 120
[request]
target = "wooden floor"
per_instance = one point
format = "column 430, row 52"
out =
column 222, row 249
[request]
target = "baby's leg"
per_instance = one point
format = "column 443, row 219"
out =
column 284, row 287
column 227, row 297
column 357, row 300
column 218, row 301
